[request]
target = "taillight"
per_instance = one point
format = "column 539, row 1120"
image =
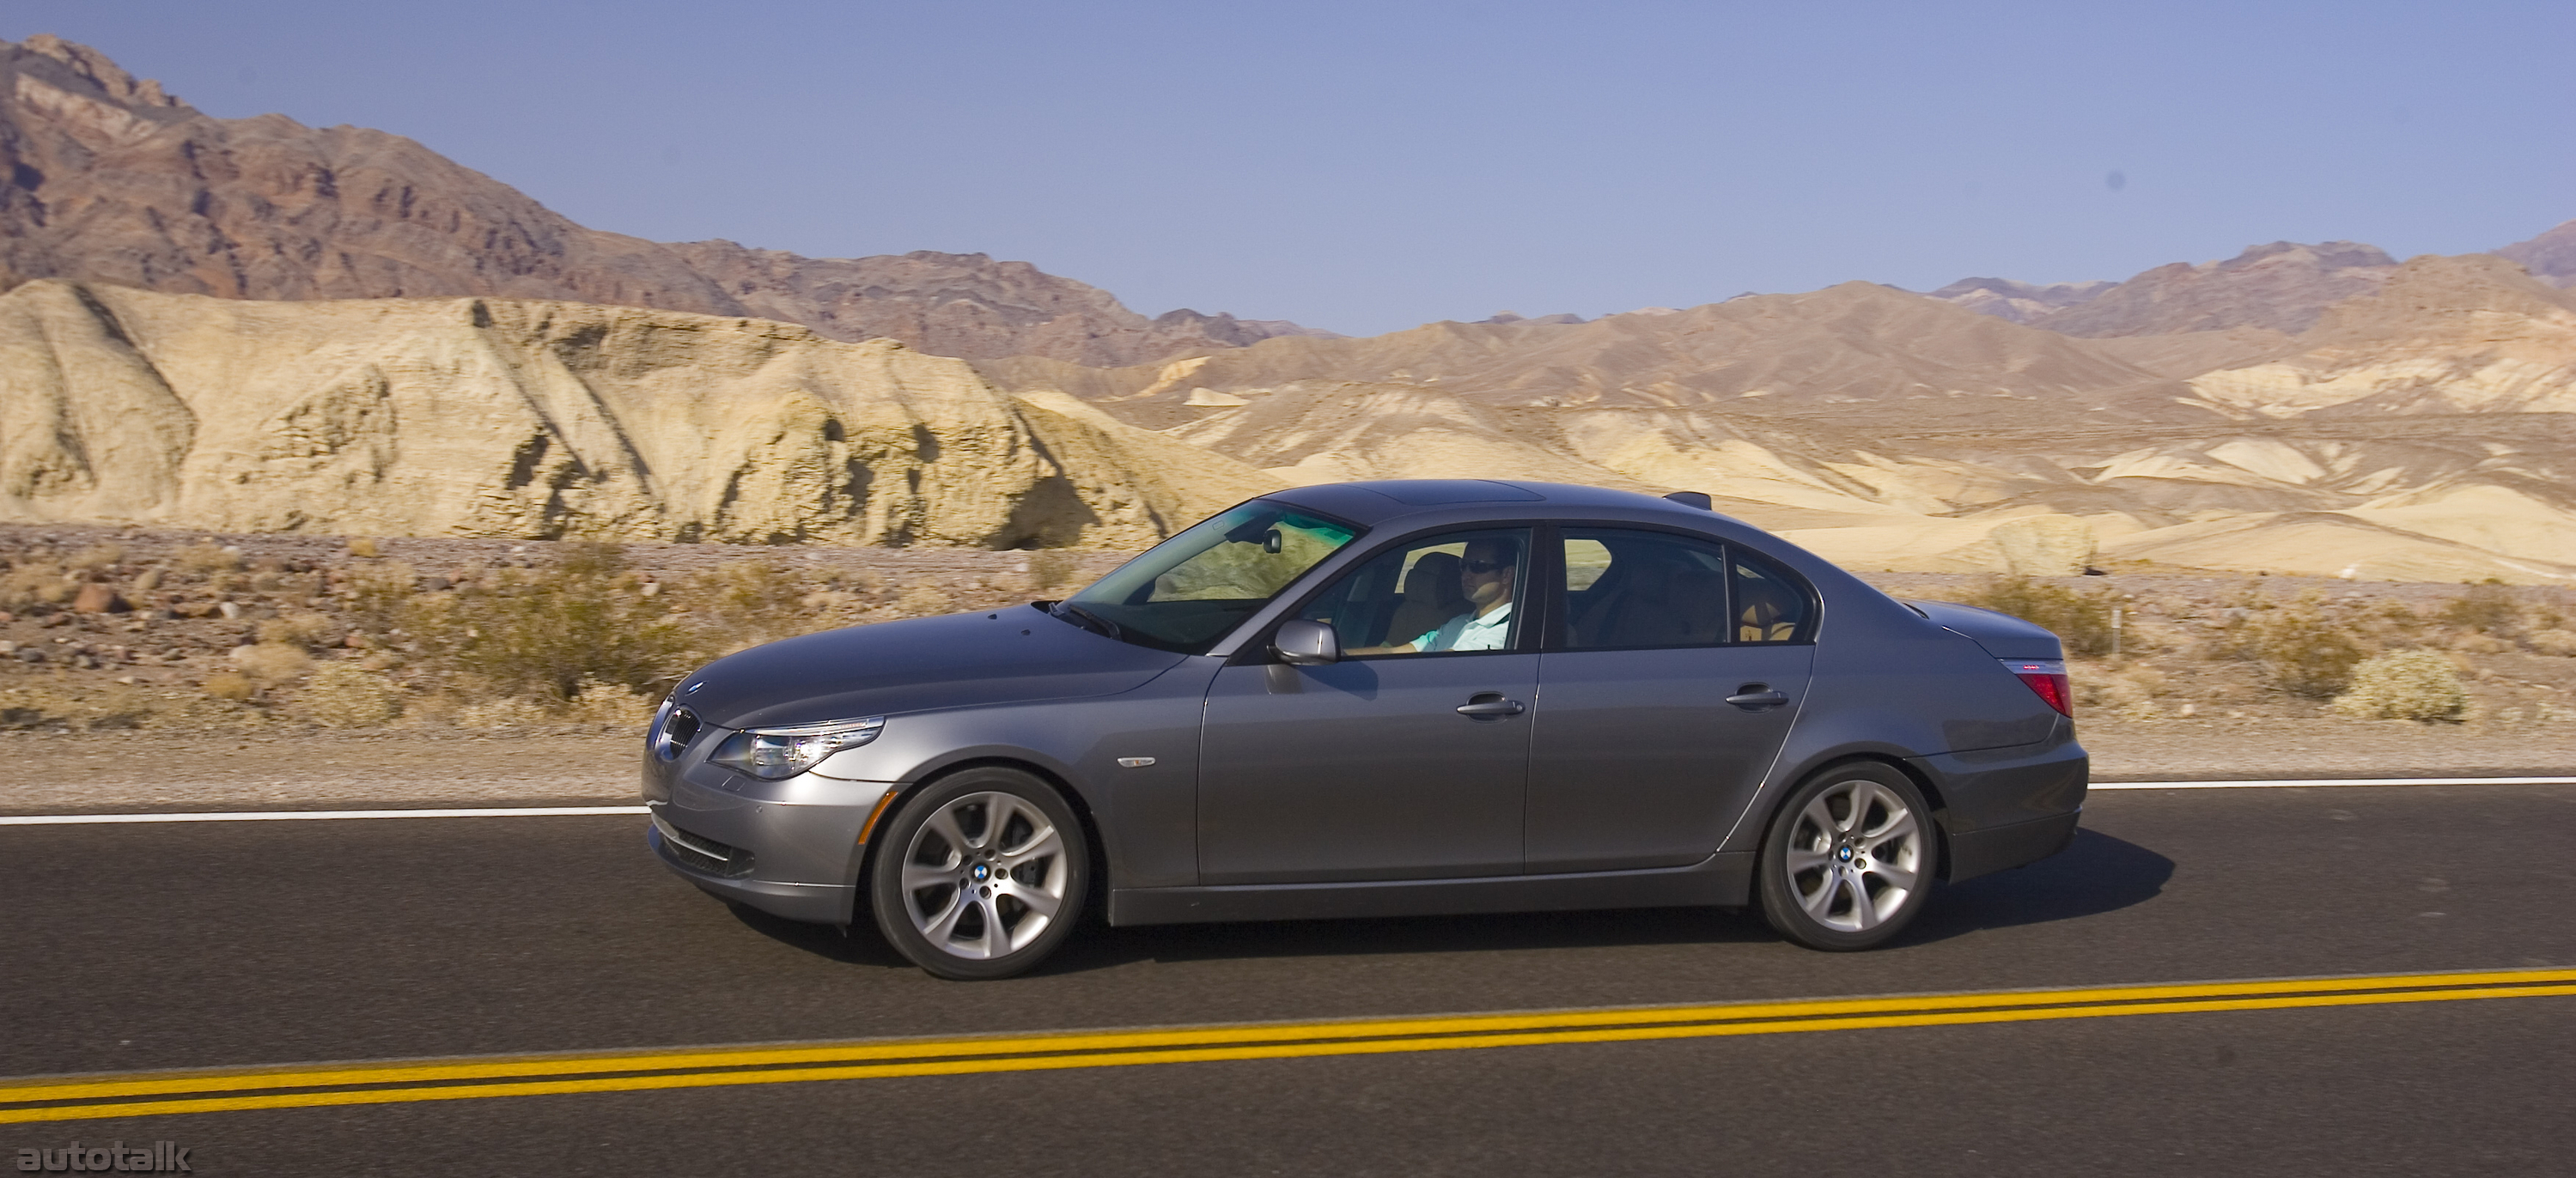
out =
column 2046, row 678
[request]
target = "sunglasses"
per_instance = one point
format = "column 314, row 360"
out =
column 1486, row 566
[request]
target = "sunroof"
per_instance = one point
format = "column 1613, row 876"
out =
column 1431, row 492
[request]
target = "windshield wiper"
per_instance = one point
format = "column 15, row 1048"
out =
column 1090, row 620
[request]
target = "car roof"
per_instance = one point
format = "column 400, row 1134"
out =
column 1372, row 503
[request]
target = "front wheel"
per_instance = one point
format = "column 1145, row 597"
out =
column 1849, row 861
column 980, row 875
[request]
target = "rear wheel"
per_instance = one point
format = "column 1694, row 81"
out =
column 980, row 875
column 1849, row 861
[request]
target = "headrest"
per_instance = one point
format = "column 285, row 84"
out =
column 1434, row 576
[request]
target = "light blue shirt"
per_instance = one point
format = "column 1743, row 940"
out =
column 1469, row 632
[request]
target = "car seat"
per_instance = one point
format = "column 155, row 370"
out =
column 1432, row 596
column 1768, row 613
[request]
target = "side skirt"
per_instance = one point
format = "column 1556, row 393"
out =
column 1723, row 879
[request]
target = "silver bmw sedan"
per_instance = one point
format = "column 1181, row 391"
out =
column 1377, row 699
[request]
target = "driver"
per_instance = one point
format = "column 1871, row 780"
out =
column 1486, row 577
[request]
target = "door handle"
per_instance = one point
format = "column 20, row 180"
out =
column 1491, row 704
column 1757, row 695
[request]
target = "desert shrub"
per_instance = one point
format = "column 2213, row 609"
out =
column 1051, row 567
column 538, row 632
column 149, row 581
column 88, row 708
column 2304, row 646
column 2394, row 622
column 272, row 662
column 2490, row 608
column 35, row 582
column 744, row 603
column 364, row 548
column 2080, row 620
column 117, row 706
column 96, row 556
column 601, row 702
column 298, row 629
column 230, row 685
column 206, row 558
column 922, row 599
column 346, row 695
column 2129, row 694
column 2404, row 685
column 2561, row 643
column 376, row 595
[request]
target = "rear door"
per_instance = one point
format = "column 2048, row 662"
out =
column 1640, row 759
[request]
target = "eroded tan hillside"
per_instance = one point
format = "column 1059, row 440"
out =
column 2422, row 431
column 484, row 417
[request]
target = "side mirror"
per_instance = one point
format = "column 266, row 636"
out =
column 1304, row 643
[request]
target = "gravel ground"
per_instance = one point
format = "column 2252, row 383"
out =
column 53, row 773
column 70, row 773
column 2184, row 750
column 2213, row 718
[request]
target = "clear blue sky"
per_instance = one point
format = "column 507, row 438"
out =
column 1369, row 166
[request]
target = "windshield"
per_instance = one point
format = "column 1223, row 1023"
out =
column 1186, row 592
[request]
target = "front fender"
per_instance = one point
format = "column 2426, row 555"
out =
column 1146, row 812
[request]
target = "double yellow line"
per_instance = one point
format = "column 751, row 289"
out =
column 481, row 1077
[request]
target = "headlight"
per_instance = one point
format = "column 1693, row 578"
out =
column 773, row 753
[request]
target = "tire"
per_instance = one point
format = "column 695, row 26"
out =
column 1849, row 858
column 980, row 875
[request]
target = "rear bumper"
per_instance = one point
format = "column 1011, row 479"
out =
column 1983, row 852
column 2006, row 807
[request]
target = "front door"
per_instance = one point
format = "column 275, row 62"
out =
column 1365, row 769
column 1641, row 760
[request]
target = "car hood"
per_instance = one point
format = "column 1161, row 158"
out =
column 1014, row 655
column 2003, row 635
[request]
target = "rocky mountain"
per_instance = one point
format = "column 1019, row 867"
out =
column 2020, row 302
column 2421, row 431
column 2472, row 334
column 107, row 179
column 1855, row 350
column 491, row 417
column 2282, row 287
column 2550, row 257
column 252, row 325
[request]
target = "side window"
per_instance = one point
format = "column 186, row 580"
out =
column 1449, row 593
column 1770, row 605
column 1626, row 589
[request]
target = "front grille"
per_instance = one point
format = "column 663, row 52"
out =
column 702, row 853
column 673, row 732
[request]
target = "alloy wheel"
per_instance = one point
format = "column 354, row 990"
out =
column 1856, row 853
column 984, row 876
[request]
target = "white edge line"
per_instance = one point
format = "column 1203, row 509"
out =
column 317, row 815
column 2297, row 782
column 582, row 811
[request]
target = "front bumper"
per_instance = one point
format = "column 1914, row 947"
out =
column 790, row 848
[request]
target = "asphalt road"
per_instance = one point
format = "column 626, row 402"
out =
column 230, row 944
